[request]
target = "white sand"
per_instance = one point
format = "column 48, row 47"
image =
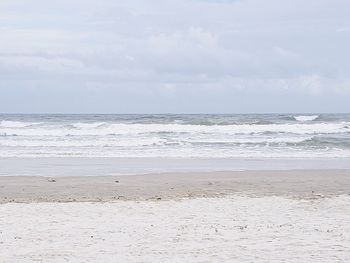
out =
column 227, row 229
column 251, row 216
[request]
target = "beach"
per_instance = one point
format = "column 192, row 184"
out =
column 177, row 131
column 169, row 186
column 247, row 216
column 175, row 188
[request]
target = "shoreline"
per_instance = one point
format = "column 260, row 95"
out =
column 300, row 184
column 105, row 166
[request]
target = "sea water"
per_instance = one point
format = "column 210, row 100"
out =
column 230, row 138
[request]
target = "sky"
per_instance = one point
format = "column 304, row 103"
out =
column 174, row 56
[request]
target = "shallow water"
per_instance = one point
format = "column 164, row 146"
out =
column 125, row 166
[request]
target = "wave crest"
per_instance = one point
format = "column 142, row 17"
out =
column 303, row 118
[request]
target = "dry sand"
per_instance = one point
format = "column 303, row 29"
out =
column 252, row 216
column 294, row 183
column 228, row 229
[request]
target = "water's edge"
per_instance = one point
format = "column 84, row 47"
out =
column 127, row 166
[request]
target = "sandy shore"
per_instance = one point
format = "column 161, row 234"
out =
column 201, row 230
column 252, row 216
column 297, row 184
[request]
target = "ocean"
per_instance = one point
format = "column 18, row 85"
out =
column 108, row 144
column 176, row 136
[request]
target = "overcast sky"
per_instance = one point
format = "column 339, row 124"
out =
column 174, row 56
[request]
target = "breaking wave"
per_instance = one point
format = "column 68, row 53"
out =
column 306, row 117
column 207, row 136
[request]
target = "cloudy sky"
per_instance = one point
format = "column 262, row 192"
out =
column 174, row 56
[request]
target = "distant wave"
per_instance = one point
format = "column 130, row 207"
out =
column 82, row 125
column 148, row 141
column 208, row 136
column 17, row 124
column 103, row 129
column 306, row 117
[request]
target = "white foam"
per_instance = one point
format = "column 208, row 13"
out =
column 306, row 117
column 103, row 139
column 99, row 129
column 93, row 142
column 174, row 152
column 250, row 139
column 86, row 125
column 16, row 124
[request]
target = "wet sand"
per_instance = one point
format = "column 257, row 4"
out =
column 167, row 186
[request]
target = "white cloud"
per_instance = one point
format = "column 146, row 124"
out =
column 247, row 46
